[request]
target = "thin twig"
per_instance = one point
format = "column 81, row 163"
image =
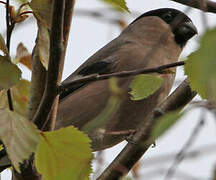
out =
column 181, row 155
column 10, row 26
column 56, row 52
column 210, row 5
column 3, row 2
column 159, row 171
column 26, row 12
column 195, row 153
column 103, row 15
column 134, row 151
column 95, row 77
column 210, row 105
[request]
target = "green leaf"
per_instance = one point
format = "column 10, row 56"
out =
column 164, row 123
column 19, row 94
column 201, row 67
column 64, row 154
column 10, row 74
column 19, row 136
column 3, row 47
column 118, row 4
column 144, row 85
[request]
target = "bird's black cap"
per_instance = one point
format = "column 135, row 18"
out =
column 181, row 25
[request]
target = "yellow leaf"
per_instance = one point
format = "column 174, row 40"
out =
column 43, row 44
column 23, row 56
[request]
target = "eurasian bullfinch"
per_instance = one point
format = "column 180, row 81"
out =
column 155, row 38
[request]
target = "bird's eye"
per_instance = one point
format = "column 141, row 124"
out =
column 168, row 17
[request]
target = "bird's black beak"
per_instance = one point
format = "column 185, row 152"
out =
column 188, row 29
column 184, row 32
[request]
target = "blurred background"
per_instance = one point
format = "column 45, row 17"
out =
column 95, row 24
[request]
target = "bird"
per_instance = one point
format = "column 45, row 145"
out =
column 155, row 38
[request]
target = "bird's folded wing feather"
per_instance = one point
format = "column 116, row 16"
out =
column 100, row 63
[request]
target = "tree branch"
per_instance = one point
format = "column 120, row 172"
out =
column 210, row 5
column 96, row 77
column 69, row 7
column 56, row 52
column 141, row 140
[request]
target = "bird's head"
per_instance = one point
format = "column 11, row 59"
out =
column 181, row 25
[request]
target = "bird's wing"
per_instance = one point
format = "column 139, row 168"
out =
column 100, row 63
column 100, row 67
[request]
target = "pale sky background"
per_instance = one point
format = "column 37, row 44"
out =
column 87, row 36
